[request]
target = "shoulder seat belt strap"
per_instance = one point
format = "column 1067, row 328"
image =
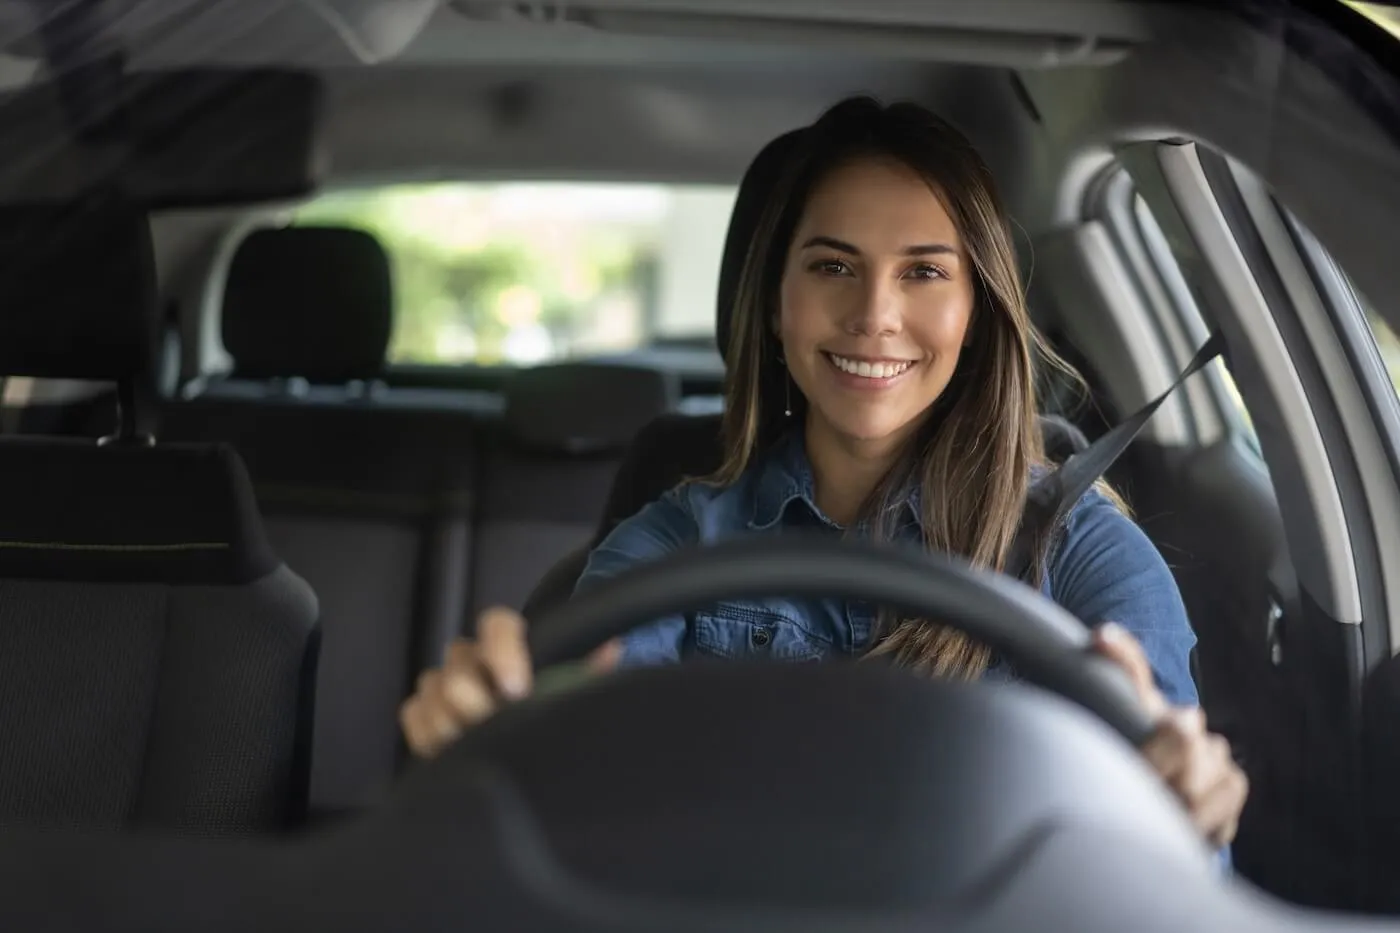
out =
column 1053, row 495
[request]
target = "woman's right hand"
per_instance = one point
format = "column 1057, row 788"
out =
column 476, row 678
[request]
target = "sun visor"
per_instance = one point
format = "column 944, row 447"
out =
column 181, row 138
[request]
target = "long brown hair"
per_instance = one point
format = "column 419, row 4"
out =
column 972, row 456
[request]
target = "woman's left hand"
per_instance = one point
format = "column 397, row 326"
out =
column 1195, row 763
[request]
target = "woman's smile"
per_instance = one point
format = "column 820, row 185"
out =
column 866, row 372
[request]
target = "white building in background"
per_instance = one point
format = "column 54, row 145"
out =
column 692, row 243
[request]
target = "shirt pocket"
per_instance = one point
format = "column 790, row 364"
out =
column 735, row 630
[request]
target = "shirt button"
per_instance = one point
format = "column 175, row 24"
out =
column 760, row 637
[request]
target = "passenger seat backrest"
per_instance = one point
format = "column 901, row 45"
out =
column 156, row 658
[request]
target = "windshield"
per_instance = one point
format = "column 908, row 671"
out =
column 1384, row 14
column 346, row 347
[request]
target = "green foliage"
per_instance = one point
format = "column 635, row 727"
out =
column 452, row 278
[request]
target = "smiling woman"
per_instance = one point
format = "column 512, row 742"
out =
column 881, row 386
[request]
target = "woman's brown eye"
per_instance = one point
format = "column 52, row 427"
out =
column 830, row 267
column 927, row 272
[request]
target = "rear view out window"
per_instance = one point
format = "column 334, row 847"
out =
column 522, row 273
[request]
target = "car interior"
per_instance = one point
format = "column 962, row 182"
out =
column 257, row 479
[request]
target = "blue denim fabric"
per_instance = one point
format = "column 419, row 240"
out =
column 1105, row 569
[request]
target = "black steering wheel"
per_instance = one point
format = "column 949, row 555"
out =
column 1045, row 644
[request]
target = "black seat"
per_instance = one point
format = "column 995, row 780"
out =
column 676, row 446
column 314, row 303
column 566, row 428
column 157, row 660
column 368, row 496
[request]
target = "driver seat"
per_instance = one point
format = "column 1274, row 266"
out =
column 674, row 447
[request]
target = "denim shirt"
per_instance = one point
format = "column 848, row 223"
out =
column 1104, row 569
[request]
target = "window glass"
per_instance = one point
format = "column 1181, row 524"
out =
column 1384, row 15
column 522, row 273
column 1386, row 341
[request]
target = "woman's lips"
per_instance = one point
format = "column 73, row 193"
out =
column 867, row 373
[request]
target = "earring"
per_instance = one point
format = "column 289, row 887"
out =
column 787, row 386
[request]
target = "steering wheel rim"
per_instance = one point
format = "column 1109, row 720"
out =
column 1047, row 645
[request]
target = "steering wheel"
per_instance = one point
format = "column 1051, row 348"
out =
column 730, row 797
column 1045, row 644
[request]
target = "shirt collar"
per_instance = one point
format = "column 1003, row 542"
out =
column 785, row 480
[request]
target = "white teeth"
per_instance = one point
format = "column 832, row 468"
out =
column 869, row 370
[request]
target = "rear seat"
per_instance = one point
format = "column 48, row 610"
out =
column 370, row 502
column 407, row 510
column 546, row 471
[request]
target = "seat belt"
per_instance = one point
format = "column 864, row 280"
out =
column 1053, row 495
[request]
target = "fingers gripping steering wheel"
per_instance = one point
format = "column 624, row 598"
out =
column 1045, row 644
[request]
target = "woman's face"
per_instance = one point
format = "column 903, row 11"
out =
column 876, row 301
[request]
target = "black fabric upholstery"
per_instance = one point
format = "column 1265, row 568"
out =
column 585, row 407
column 372, row 504
column 535, row 507
column 666, row 452
column 1061, row 438
column 154, row 653
column 152, row 706
column 567, row 426
column 314, row 302
column 77, row 292
column 179, row 515
column 155, row 656
column 340, row 459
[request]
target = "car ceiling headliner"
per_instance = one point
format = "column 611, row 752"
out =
column 618, row 103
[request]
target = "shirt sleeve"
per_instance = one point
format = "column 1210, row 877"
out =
column 661, row 528
column 1105, row 569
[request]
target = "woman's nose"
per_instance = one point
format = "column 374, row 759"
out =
column 879, row 310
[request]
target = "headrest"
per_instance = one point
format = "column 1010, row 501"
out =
column 77, row 292
column 172, row 514
column 757, row 185
column 314, row 302
column 586, row 407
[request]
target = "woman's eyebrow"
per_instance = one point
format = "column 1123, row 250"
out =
column 922, row 249
column 831, row 242
column 931, row 249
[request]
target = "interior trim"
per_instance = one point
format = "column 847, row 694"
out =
column 1324, row 560
column 1168, row 302
column 1373, row 456
column 1129, row 355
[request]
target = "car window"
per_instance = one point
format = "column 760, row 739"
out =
column 527, row 272
column 1386, row 341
